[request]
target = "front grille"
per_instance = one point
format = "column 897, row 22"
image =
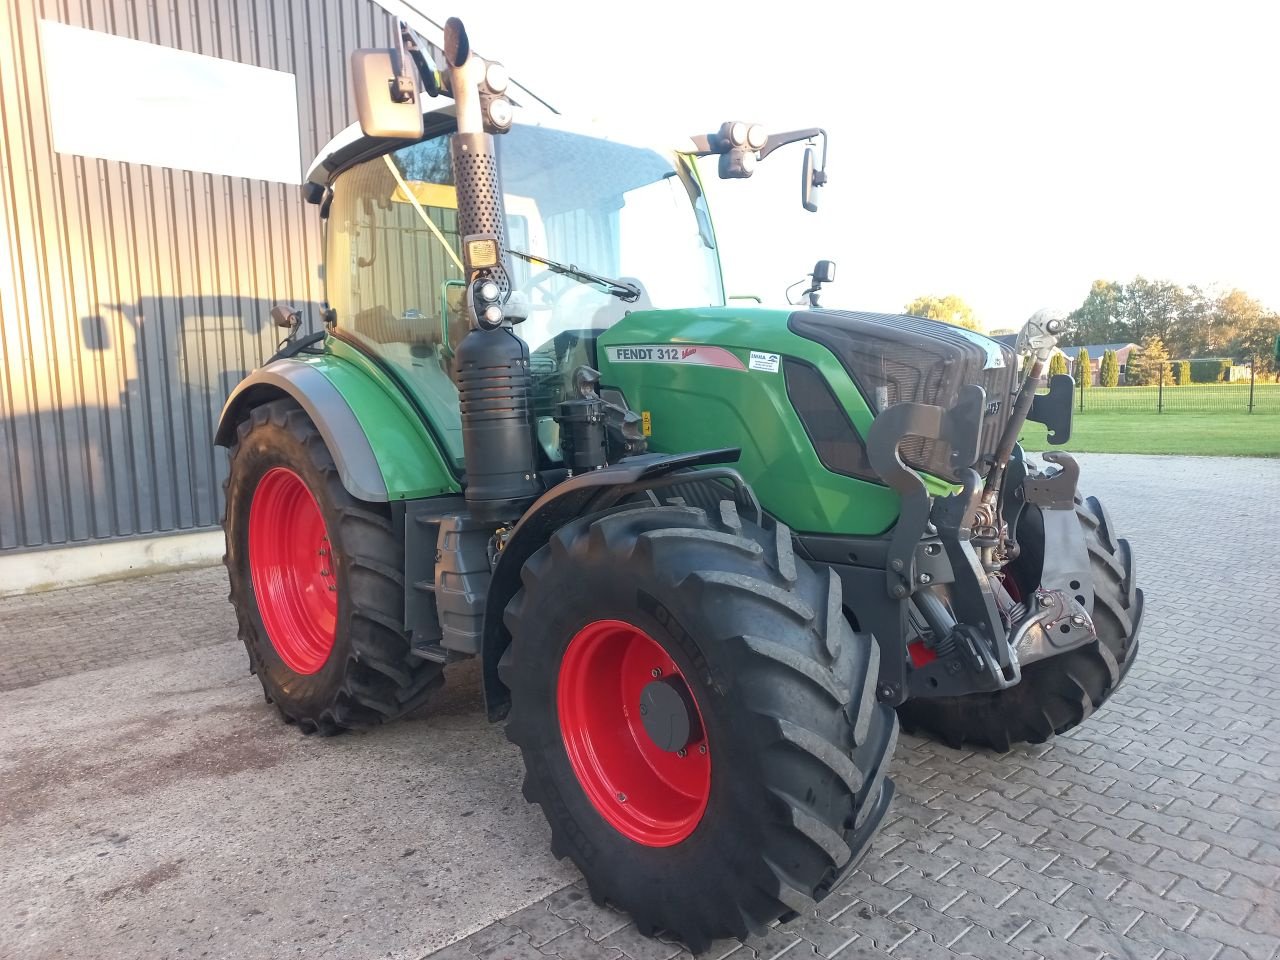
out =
column 899, row 359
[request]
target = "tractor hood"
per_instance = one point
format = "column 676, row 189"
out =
column 797, row 390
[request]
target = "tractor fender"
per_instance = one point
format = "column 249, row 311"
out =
column 580, row 495
column 329, row 411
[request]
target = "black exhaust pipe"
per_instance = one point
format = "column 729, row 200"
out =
column 491, row 363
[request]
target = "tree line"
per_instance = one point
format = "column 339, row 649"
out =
column 1171, row 321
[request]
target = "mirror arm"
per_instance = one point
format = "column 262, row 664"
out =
column 777, row 140
column 426, row 71
column 705, row 145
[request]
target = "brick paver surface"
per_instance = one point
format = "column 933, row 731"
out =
column 1150, row 833
column 47, row 635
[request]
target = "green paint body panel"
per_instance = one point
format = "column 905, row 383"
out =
column 407, row 453
column 694, row 407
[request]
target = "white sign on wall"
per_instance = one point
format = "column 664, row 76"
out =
column 122, row 99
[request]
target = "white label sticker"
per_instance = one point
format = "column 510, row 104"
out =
column 768, row 362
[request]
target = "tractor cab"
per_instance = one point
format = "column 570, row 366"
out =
column 597, row 227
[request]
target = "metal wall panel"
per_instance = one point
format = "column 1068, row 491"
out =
column 132, row 297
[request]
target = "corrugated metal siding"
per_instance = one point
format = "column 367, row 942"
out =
column 133, row 298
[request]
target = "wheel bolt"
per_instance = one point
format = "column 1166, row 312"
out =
column 324, row 573
column 655, row 673
column 702, row 748
column 682, row 752
column 622, row 797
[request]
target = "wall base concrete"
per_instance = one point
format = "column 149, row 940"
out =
column 40, row 570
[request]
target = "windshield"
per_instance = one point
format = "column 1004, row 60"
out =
column 394, row 274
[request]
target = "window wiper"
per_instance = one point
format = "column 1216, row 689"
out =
column 626, row 292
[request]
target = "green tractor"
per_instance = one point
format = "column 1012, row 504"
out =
column 706, row 555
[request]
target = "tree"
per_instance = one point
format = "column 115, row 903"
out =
column 1094, row 321
column 1057, row 363
column 1147, row 364
column 1249, row 330
column 1196, row 330
column 1083, row 370
column 949, row 309
column 1150, row 308
column 1182, row 372
column 1109, row 369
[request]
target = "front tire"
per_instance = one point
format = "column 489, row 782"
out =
column 316, row 581
column 769, row 692
column 1060, row 692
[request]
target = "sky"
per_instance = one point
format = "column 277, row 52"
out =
column 1009, row 153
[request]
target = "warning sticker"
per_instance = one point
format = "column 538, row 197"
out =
column 768, row 362
column 676, row 353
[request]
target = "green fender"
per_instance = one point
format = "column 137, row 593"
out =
column 379, row 441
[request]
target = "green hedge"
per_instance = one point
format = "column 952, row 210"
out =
column 1209, row 371
column 1182, row 372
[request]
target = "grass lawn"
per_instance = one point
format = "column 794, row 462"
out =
column 1188, row 434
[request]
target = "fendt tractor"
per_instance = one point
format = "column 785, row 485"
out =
column 707, row 555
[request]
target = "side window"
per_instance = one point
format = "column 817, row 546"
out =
column 392, row 245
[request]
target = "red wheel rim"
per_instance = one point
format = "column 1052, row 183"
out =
column 292, row 567
column 647, row 794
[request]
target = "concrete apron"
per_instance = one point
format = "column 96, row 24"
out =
column 34, row 571
column 162, row 808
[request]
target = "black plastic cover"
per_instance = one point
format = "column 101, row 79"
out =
column 899, row 359
column 835, row 439
column 492, row 371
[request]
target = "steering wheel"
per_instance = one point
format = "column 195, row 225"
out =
column 538, row 283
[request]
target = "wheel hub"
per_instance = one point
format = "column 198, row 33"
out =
column 633, row 733
column 668, row 714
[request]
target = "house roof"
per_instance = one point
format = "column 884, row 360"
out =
column 1096, row 350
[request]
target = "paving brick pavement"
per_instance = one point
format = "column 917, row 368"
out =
column 1150, row 833
column 61, row 632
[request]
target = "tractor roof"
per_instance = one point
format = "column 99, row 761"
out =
column 352, row 145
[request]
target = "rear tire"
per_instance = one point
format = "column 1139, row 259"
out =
column 792, row 785
column 1060, row 692
column 336, row 656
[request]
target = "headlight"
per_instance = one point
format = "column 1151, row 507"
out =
column 496, row 78
column 738, row 133
column 756, row 136
column 500, row 113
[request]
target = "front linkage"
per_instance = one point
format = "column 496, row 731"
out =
column 939, row 582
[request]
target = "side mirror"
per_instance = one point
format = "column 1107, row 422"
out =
column 824, row 271
column 386, row 94
column 812, row 182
